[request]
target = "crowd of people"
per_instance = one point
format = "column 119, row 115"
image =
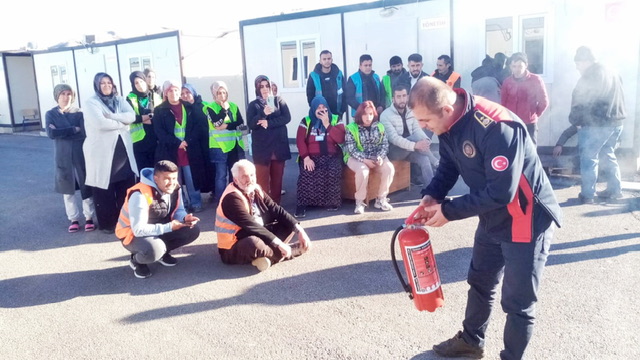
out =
column 142, row 162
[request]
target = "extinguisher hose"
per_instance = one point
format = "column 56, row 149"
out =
column 406, row 286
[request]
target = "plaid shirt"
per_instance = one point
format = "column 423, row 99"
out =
column 374, row 143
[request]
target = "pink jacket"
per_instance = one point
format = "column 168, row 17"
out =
column 526, row 97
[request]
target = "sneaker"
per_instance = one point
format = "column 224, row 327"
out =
column 141, row 271
column 457, row 347
column 168, row 260
column 297, row 249
column 585, row 200
column 359, row 207
column 383, row 204
column 606, row 194
column 262, row 263
column 301, row 211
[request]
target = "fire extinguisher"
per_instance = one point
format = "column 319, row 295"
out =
column 424, row 285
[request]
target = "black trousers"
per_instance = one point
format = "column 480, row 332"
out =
column 108, row 202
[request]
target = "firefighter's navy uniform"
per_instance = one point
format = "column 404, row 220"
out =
column 490, row 148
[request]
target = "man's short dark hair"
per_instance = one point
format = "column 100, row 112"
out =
column 519, row 56
column 165, row 166
column 395, row 60
column 365, row 57
column 446, row 59
column 415, row 57
column 400, row 87
column 324, row 52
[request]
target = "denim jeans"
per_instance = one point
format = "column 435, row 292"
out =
column 219, row 161
column 598, row 142
column 195, row 199
column 520, row 265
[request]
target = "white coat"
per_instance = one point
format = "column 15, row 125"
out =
column 103, row 127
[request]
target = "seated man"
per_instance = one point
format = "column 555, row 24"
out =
column 251, row 227
column 407, row 141
column 153, row 220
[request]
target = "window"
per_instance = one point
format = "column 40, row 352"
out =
column 298, row 58
column 139, row 63
column 533, row 43
column 528, row 36
column 499, row 36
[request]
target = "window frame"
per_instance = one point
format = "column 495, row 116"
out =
column 299, row 42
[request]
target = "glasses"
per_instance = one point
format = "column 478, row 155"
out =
column 265, row 86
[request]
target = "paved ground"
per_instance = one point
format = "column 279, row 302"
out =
column 73, row 296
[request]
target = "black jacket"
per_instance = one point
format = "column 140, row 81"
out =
column 274, row 140
column 329, row 88
column 196, row 136
column 490, row 148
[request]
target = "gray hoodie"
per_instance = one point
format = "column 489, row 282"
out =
column 139, row 209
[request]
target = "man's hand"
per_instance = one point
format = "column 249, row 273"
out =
column 191, row 220
column 263, row 123
column 285, row 250
column 437, row 218
column 423, row 215
column 303, row 238
column 422, row 145
column 557, row 150
column 308, row 164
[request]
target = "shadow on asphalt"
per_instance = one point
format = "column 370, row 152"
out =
column 559, row 259
column 200, row 264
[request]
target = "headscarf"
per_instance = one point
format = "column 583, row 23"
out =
column 191, row 89
column 214, row 91
column 315, row 122
column 257, row 81
column 111, row 101
column 167, row 85
column 138, row 75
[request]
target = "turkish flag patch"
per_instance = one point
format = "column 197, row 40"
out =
column 500, row 163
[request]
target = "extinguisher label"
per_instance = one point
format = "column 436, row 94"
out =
column 423, row 268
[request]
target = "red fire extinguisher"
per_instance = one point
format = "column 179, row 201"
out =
column 420, row 265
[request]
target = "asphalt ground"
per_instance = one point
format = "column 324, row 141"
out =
column 73, row 296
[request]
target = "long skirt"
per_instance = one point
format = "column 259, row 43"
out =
column 323, row 186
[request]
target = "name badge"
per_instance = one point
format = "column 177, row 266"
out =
column 319, row 137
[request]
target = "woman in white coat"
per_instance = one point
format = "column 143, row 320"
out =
column 108, row 150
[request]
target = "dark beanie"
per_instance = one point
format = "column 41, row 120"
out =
column 58, row 89
column 395, row 60
column 584, row 54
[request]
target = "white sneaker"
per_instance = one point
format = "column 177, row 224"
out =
column 359, row 207
column 383, row 204
column 262, row 263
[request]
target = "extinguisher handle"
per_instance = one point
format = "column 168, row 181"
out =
column 411, row 219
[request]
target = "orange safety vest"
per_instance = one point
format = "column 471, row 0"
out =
column 123, row 228
column 452, row 78
column 226, row 229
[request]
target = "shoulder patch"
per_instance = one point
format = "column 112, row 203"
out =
column 483, row 118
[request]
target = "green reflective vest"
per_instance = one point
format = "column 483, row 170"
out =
column 353, row 129
column 223, row 139
column 179, row 130
column 137, row 130
column 386, row 82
